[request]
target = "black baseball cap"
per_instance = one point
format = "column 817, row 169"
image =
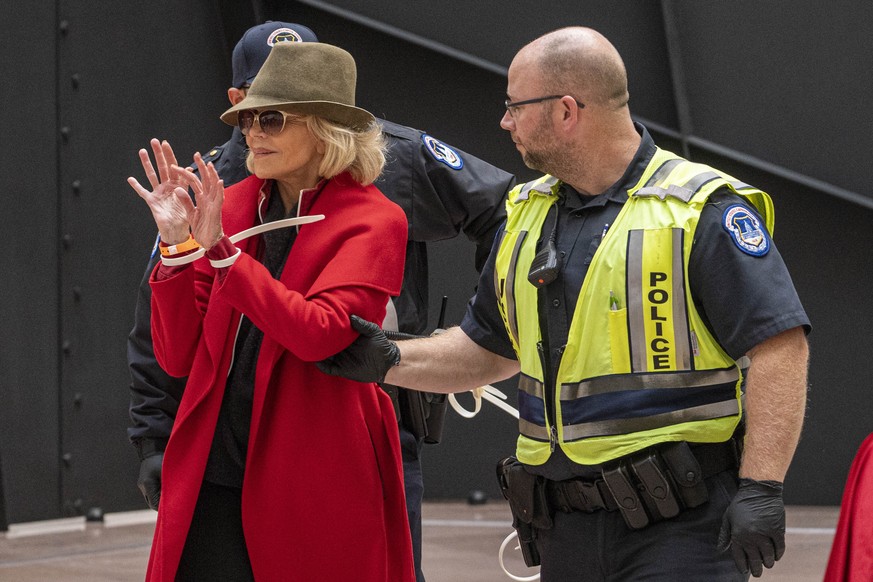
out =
column 253, row 48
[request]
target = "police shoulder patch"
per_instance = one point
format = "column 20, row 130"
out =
column 442, row 153
column 746, row 230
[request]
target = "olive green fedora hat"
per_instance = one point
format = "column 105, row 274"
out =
column 309, row 78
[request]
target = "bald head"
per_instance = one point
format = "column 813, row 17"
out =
column 588, row 147
column 582, row 62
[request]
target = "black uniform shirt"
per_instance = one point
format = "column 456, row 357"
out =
column 229, row 159
column 443, row 191
column 743, row 299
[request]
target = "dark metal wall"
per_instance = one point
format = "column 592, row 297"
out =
column 29, row 344
column 772, row 96
column 85, row 86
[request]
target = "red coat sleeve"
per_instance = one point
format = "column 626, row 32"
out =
column 311, row 327
column 349, row 263
column 178, row 306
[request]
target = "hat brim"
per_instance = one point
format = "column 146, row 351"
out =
column 347, row 115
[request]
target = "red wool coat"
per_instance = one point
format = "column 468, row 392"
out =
column 322, row 497
column 851, row 558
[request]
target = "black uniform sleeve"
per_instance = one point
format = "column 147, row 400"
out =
column 229, row 159
column 451, row 190
column 745, row 298
column 482, row 321
column 154, row 395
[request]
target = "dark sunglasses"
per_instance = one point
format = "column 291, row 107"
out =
column 271, row 122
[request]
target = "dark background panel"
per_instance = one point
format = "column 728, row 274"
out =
column 786, row 82
column 28, row 286
column 170, row 84
column 494, row 30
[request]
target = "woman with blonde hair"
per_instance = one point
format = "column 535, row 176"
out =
column 275, row 471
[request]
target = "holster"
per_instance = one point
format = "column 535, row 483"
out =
column 528, row 503
column 421, row 413
column 436, row 417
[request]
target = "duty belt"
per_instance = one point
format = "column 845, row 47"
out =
column 580, row 495
column 592, row 495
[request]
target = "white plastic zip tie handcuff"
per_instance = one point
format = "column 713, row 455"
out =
column 267, row 226
column 505, row 543
column 489, row 393
column 221, row 263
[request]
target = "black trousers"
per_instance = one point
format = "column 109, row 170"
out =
column 216, row 548
column 599, row 547
column 413, row 483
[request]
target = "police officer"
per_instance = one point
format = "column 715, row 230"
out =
column 627, row 286
column 443, row 191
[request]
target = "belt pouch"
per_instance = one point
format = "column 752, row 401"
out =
column 655, row 481
column 619, row 482
column 686, row 472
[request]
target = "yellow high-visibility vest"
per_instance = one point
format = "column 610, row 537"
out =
column 640, row 367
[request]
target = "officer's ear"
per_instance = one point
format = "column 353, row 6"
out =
column 569, row 108
column 235, row 95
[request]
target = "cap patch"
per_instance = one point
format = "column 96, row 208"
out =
column 442, row 153
column 283, row 35
column 746, row 230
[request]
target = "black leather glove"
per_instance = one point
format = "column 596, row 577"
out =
column 753, row 526
column 367, row 359
column 149, row 481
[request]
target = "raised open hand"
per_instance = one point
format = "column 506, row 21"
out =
column 168, row 199
column 205, row 217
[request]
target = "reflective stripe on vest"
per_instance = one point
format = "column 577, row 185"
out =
column 658, row 323
column 640, row 366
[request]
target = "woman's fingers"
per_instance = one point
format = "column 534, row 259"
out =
column 213, row 174
column 137, row 187
column 148, row 168
column 169, row 155
column 198, row 161
column 187, row 178
column 160, row 160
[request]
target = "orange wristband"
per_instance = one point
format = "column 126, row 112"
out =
column 183, row 247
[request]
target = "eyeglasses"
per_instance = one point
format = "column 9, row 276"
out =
column 510, row 105
column 271, row 122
